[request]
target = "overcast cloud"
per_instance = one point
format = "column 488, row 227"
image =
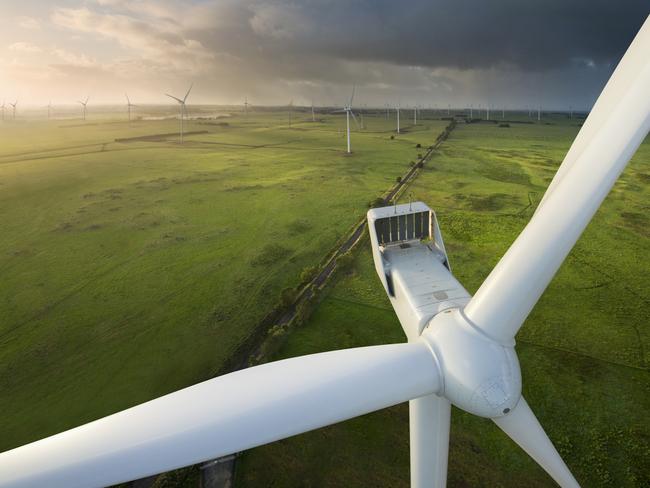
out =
column 512, row 52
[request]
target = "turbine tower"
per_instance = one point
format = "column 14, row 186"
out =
column 415, row 115
column 181, row 103
column 13, row 108
column 246, row 105
column 313, row 116
column 397, row 110
column 460, row 348
column 128, row 106
column 49, row 109
column 3, row 109
column 83, row 109
column 348, row 111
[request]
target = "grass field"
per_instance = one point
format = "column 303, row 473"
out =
column 129, row 270
column 584, row 350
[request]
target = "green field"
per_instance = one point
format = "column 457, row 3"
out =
column 132, row 269
column 584, row 350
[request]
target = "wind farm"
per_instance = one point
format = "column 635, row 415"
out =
column 317, row 293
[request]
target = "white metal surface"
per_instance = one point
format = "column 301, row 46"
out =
column 522, row 426
column 507, row 296
column 429, row 422
column 480, row 375
column 224, row 415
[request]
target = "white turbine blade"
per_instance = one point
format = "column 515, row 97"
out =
column 509, row 293
column 355, row 119
column 175, row 98
column 629, row 67
column 429, row 423
column 225, row 415
column 127, row 99
column 188, row 92
column 522, row 426
column 352, row 96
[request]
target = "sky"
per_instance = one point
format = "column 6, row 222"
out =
column 507, row 53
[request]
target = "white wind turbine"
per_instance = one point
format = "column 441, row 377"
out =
column 460, row 349
column 83, row 109
column 246, row 105
column 182, row 106
column 397, row 110
column 13, row 108
column 348, row 111
column 129, row 105
column 3, row 109
column 313, row 117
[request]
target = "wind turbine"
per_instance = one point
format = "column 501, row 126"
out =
column 49, row 109
column 83, row 104
column 348, row 111
column 415, row 115
column 129, row 105
column 13, row 107
column 397, row 110
column 539, row 113
column 246, row 105
column 460, row 349
column 182, row 106
column 3, row 109
column 313, row 117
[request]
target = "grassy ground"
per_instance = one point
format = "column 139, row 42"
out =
column 583, row 350
column 129, row 270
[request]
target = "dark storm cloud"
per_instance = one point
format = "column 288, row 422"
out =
column 466, row 34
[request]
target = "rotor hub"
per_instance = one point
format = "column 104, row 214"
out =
column 479, row 374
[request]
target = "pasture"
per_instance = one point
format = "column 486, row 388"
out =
column 584, row 350
column 132, row 269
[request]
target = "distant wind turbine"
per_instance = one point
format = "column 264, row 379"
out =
column 13, row 105
column 397, row 109
column 539, row 113
column 182, row 106
column 83, row 104
column 129, row 105
column 415, row 115
column 49, row 109
column 3, row 109
column 313, row 117
column 246, row 104
column 348, row 111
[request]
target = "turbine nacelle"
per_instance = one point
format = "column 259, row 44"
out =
column 478, row 374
